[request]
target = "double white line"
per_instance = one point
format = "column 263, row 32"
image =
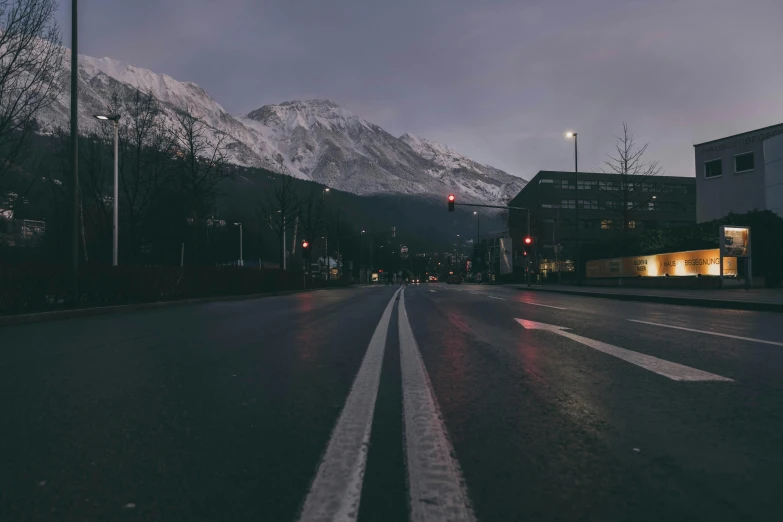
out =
column 436, row 488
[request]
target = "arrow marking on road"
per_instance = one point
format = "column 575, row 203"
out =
column 775, row 343
column 435, row 485
column 337, row 487
column 674, row 371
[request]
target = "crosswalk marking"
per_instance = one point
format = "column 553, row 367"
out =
column 775, row 343
column 436, row 488
column 336, row 490
column 674, row 371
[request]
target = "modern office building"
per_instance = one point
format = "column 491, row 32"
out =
column 605, row 204
column 740, row 173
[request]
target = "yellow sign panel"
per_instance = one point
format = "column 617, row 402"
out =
column 694, row 262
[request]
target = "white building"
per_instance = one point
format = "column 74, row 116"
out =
column 740, row 173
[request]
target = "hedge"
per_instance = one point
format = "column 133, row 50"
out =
column 37, row 288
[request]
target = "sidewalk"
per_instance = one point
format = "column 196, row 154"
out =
column 759, row 299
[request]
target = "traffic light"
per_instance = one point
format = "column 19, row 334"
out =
column 528, row 240
column 305, row 249
column 524, row 253
column 451, row 202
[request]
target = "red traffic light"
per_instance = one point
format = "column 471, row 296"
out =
column 305, row 244
column 451, row 202
column 524, row 253
column 528, row 240
column 451, row 197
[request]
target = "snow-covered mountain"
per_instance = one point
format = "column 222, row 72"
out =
column 315, row 139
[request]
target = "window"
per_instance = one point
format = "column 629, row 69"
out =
column 606, row 224
column 631, row 225
column 713, row 168
column 550, row 205
column 568, row 203
column 589, row 204
column 548, row 220
column 607, row 185
column 588, row 185
column 545, row 180
column 588, row 224
column 562, row 184
column 743, row 162
column 651, row 205
column 611, row 205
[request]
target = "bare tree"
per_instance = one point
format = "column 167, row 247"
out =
column 279, row 209
column 630, row 193
column 145, row 144
column 31, row 67
column 200, row 166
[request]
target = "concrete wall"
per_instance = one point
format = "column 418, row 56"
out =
column 773, row 174
column 732, row 192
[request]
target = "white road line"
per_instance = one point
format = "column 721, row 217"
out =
column 433, row 291
column 493, row 297
column 474, row 293
column 436, row 489
column 674, row 371
column 337, row 487
column 539, row 304
column 709, row 333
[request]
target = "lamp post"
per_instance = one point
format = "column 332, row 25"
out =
column 361, row 247
column 75, row 150
column 326, row 239
column 576, row 204
column 114, row 118
column 478, row 226
column 241, row 259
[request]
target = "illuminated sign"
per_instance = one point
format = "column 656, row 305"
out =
column 694, row 262
column 735, row 241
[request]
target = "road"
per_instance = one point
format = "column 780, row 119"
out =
column 436, row 402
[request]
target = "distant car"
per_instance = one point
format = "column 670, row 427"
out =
column 454, row 279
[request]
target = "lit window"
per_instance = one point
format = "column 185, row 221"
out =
column 606, row 224
column 713, row 169
column 743, row 162
column 631, row 224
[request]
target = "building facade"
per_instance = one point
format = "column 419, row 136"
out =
column 563, row 214
column 739, row 173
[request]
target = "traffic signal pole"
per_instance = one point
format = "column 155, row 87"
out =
column 452, row 203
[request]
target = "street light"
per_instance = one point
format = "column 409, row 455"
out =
column 241, row 261
column 114, row 118
column 576, row 207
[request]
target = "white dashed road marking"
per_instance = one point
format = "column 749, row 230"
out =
column 709, row 333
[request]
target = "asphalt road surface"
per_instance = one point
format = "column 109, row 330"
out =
column 436, row 402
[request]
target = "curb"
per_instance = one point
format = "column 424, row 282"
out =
column 10, row 320
column 755, row 306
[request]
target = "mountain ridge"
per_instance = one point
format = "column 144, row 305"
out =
column 316, row 140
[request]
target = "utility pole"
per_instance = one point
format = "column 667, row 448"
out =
column 75, row 150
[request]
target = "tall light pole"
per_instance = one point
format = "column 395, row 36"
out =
column 361, row 247
column 114, row 118
column 576, row 204
column 241, row 259
column 75, row 150
column 326, row 238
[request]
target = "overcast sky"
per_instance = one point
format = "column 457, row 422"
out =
column 500, row 81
